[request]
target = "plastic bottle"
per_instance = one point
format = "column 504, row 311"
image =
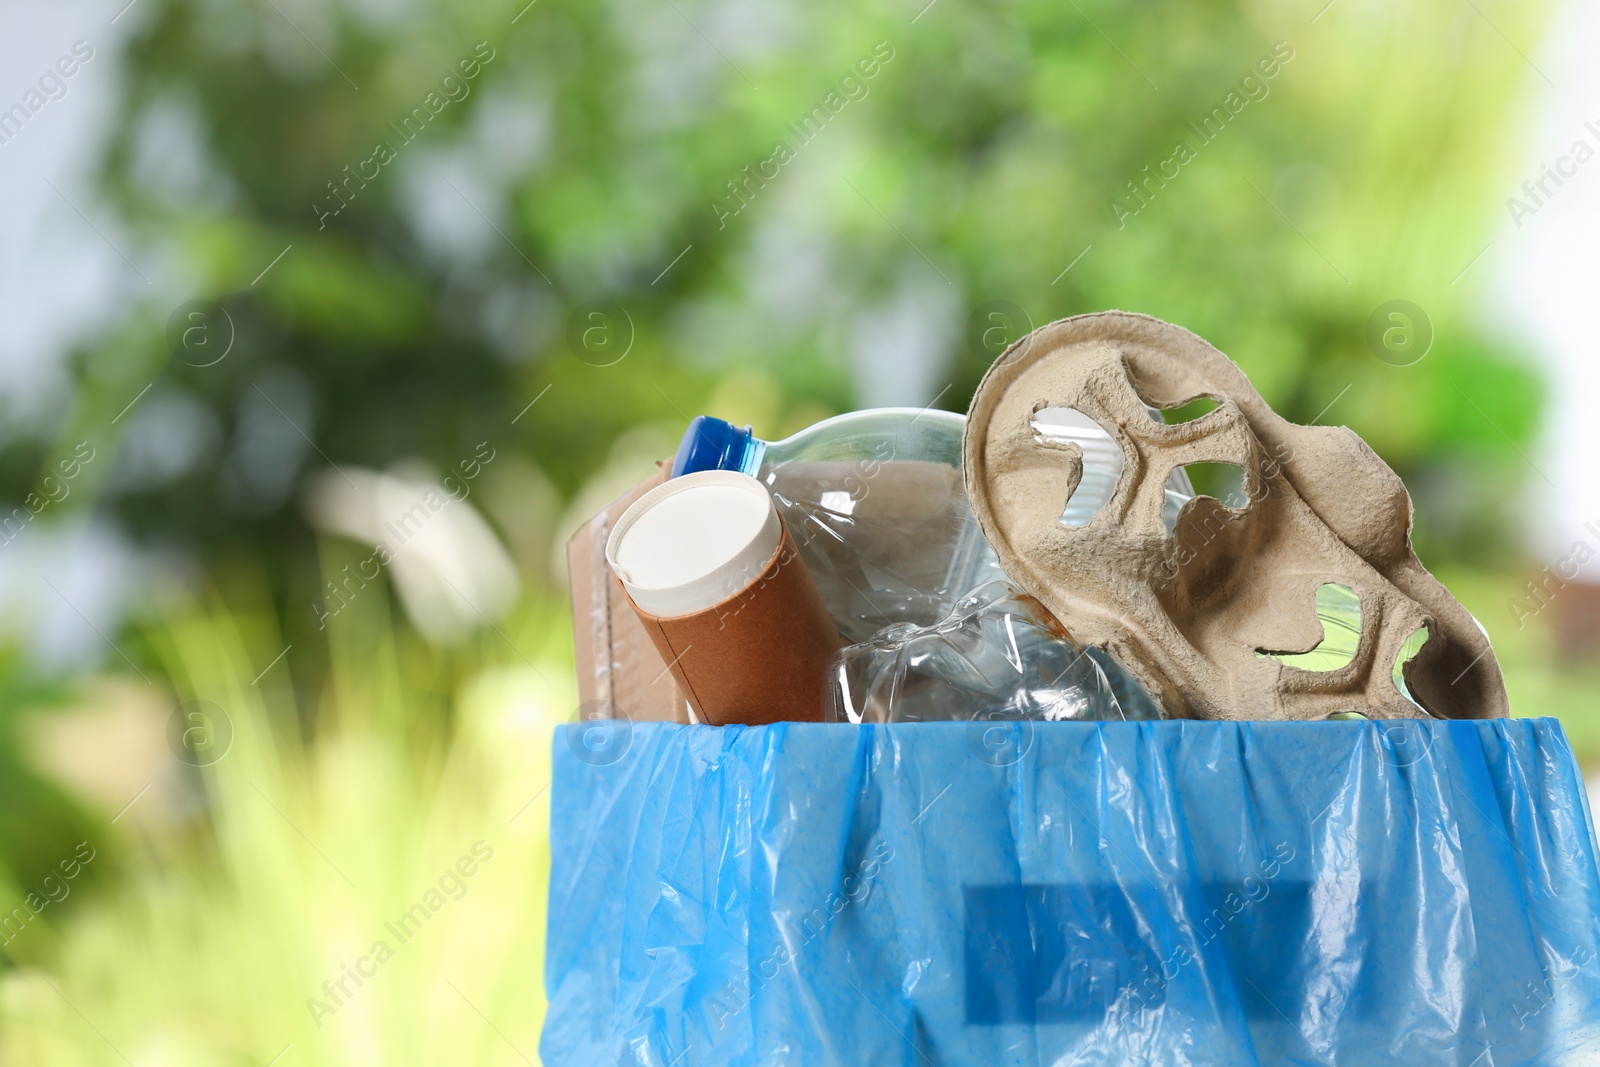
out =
column 876, row 506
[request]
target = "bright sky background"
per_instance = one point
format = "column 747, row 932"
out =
column 1543, row 285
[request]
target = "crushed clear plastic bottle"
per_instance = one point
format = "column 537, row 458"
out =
column 998, row 655
column 876, row 505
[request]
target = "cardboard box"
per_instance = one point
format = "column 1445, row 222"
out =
column 620, row 673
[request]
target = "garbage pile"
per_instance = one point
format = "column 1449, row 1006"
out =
column 831, row 575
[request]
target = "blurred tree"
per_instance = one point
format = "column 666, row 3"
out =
column 625, row 204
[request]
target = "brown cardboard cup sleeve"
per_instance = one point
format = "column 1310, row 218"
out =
column 760, row 656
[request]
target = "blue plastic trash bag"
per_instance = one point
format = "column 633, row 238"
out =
column 1072, row 895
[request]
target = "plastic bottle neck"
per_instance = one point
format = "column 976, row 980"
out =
column 710, row 444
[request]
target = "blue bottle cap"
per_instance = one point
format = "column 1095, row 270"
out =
column 711, row 444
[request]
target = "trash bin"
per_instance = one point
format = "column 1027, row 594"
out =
column 1084, row 894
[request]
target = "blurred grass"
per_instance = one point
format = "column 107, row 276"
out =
column 219, row 931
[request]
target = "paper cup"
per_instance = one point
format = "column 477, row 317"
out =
column 715, row 578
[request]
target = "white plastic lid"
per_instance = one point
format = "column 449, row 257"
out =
column 694, row 542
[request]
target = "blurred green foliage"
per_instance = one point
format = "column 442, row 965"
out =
column 601, row 141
